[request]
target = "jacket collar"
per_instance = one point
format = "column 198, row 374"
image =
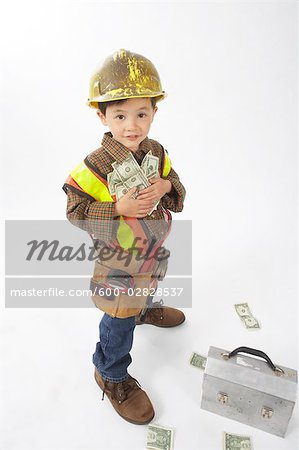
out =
column 119, row 152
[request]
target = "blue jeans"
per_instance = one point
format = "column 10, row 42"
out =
column 112, row 356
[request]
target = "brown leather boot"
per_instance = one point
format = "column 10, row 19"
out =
column 161, row 316
column 128, row 399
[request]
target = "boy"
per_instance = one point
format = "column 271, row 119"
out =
column 121, row 195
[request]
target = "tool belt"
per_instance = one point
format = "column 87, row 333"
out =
column 121, row 285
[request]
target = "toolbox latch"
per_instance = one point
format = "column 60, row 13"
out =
column 267, row 412
column 222, row 398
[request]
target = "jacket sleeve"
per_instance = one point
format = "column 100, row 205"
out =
column 97, row 218
column 174, row 200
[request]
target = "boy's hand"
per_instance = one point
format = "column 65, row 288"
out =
column 131, row 207
column 158, row 188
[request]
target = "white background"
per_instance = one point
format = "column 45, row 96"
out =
column 229, row 124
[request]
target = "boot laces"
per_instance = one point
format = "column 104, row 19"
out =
column 121, row 390
column 157, row 309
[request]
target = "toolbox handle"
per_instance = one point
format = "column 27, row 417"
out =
column 253, row 351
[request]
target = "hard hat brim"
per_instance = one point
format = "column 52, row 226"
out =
column 93, row 102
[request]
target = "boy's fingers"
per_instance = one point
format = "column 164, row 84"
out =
column 145, row 193
column 144, row 211
column 146, row 190
column 130, row 192
column 145, row 203
column 148, row 197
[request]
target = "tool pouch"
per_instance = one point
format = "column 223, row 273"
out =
column 161, row 264
column 118, row 286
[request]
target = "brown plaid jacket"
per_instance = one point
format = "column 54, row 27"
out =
column 98, row 218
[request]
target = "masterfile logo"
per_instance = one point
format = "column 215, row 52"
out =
column 50, row 263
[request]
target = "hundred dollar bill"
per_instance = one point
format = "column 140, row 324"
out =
column 159, row 438
column 246, row 316
column 198, row 361
column 236, row 442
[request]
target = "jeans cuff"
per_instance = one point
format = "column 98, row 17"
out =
column 113, row 380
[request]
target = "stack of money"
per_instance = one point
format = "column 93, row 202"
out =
column 129, row 174
column 246, row 316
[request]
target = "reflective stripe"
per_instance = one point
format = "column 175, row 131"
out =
column 125, row 235
column 90, row 183
column 167, row 165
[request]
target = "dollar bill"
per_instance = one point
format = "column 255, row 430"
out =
column 120, row 190
column 127, row 168
column 251, row 322
column 246, row 316
column 138, row 179
column 236, row 442
column 198, row 361
column 150, row 165
column 112, row 179
column 154, row 208
column 110, row 184
column 159, row 438
column 243, row 309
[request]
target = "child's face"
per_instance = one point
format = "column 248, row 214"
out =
column 130, row 121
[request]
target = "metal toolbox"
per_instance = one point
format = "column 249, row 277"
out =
column 249, row 390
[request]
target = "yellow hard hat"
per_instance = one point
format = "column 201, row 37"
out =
column 124, row 75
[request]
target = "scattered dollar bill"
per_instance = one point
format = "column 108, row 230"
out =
column 246, row 316
column 159, row 438
column 198, row 361
column 236, row 442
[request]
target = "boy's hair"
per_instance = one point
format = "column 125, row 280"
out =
column 102, row 106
